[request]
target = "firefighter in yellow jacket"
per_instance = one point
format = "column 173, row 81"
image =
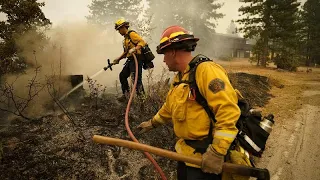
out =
column 132, row 43
column 191, row 122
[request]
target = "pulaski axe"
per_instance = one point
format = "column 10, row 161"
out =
column 260, row 174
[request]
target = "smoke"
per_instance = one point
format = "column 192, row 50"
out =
column 76, row 49
column 34, row 97
column 69, row 49
column 80, row 48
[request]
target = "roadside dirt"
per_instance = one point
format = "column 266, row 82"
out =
column 293, row 148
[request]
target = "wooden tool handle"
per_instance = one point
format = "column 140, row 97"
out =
column 146, row 148
column 262, row 174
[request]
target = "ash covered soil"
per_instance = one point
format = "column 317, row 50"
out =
column 57, row 147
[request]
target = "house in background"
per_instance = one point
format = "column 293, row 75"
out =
column 229, row 45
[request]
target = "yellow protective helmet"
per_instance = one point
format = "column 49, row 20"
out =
column 120, row 23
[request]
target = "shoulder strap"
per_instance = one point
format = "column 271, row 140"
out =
column 194, row 88
column 196, row 92
column 130, row 31
column 193, row 84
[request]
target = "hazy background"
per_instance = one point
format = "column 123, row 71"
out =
column 75, row 10
column 59, row 11
column 85, row 49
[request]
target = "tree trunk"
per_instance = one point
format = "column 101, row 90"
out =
column 272, row 54
column 308, row 61
column 265, row 33
column 264, row 55
column 308, row 57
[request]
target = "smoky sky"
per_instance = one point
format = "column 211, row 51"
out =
column 75, row 10
column 59, row 11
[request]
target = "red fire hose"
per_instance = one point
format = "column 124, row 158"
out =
column 127, row 121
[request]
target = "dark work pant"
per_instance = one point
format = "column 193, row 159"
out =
column 129, row 68
column 185, row 172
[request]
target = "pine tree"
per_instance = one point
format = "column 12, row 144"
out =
column 257, row 24
column 106, row 12
column 285, row 34
column 232, row 29
column 311, row 31
column 144, row 26
column 22, row 17
column 198, row 17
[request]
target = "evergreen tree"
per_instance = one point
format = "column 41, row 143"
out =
column 144, row 26
column 311, row 31
column 198, row 17
column 285, row 33
column 232, row 29
column 21, row 17
column 256, row 22
column 106, row 12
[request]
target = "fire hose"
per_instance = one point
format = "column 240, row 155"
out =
column 127, row 110
column 261, row 174
column 158, row 168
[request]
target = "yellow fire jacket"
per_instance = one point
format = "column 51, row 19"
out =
column 135, row 39
column 190, row 120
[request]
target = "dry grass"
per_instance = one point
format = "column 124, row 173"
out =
column 286, row 90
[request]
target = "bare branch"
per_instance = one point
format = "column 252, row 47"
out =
column 19, row 104
column 15, row 113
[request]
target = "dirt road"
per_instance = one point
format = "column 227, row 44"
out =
column 293, row 151
column 293, row 148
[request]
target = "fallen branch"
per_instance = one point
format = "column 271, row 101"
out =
column 65, row 111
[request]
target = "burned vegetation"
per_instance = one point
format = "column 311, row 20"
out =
column 60, row 146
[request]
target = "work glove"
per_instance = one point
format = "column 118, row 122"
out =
column 132, row 50
column 212, row 161
column 145, row 126
column 116, row 61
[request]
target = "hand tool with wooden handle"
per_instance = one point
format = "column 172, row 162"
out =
column 260, row 174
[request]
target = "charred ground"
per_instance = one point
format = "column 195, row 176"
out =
column 53, row 147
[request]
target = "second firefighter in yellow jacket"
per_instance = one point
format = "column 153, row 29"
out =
column 189, row 118
column 132, row 43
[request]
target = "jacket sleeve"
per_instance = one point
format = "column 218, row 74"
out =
column 215, row 86
column 164, row 114
column 162, row 117
column 137, row 39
